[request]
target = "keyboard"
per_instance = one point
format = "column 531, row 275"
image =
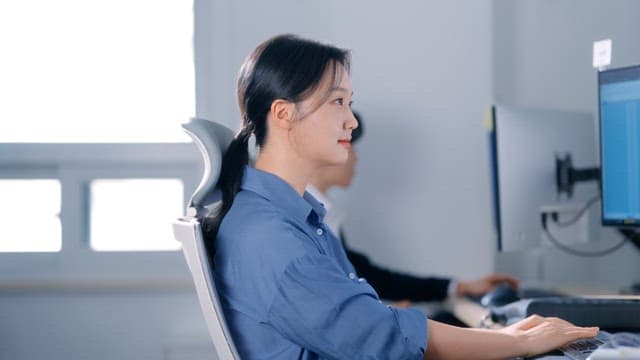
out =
column 581, row 349
column 609, row 314
column 605, row 346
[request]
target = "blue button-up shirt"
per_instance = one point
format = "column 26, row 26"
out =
column 288, row 290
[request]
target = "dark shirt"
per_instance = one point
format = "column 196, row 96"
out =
column 393, row 285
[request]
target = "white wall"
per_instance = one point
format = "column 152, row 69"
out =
column 103, row 324
column 422, row 80
column 543, row 49
column 543, row 59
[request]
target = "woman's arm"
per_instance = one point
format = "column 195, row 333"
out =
column 533, row 335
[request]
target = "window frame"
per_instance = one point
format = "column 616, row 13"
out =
column 75, row 166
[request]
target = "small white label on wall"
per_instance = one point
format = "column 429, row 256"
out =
column 601, row 53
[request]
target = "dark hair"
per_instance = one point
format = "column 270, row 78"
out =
column 284, row 67
column 357, row 133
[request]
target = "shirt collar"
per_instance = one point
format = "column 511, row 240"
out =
column 322, row 198
column 281, row 194
column 334, row 215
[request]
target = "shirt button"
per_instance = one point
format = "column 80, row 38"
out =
column 319, row 231
column 352, row 276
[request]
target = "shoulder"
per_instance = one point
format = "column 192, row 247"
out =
column 252, row 214
column 256, row 230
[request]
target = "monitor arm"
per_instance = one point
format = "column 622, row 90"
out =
column 567, row 176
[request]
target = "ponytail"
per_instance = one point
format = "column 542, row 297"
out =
column 231, row 174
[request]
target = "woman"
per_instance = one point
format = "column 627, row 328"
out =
column 286, row 285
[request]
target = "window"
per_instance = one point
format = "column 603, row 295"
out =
column 30, row 213
column 95, row 71
column 104, row 210
column 94, row 93
column 134, row 214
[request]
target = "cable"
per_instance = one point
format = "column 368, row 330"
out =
column 631, row 235
column 575, row 252
column 577, row 217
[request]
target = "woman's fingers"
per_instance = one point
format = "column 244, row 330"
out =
column 584, row 332
column 530, row 322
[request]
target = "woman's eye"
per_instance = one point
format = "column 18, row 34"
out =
column 339, row 101
column 351, row 103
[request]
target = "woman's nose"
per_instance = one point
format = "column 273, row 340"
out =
column 352, row 123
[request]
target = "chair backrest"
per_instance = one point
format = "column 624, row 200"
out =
column 212, row 140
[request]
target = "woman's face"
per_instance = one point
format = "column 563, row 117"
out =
column 323, row 137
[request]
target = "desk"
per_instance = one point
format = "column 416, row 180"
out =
column 472, row 313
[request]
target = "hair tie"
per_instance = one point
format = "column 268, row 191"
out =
column 245, row 132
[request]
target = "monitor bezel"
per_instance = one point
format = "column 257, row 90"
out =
column 625, row 223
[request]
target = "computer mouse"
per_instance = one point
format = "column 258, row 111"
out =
column 502, row 294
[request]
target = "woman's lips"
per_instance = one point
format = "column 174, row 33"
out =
column 345, row 143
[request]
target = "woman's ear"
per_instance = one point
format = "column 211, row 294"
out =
column 282, row 113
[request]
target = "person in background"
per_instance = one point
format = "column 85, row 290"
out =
column 391, row 285
column 287, row 288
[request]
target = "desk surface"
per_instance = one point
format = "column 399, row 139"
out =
column 473, row 314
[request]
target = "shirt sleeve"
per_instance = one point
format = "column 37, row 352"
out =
column 321, row 309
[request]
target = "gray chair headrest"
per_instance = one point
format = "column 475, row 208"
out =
column 212, row 139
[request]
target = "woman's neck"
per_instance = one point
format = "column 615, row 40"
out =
column 320, row 185
column 291, row 169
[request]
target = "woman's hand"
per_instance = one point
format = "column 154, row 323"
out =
column 537, row 334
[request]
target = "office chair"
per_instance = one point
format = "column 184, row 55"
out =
column 212, row 140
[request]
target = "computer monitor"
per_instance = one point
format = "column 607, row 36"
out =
column 619, row 102
column 524, row 147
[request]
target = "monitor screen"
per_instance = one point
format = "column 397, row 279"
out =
column 619, row 101
column 524, row 144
